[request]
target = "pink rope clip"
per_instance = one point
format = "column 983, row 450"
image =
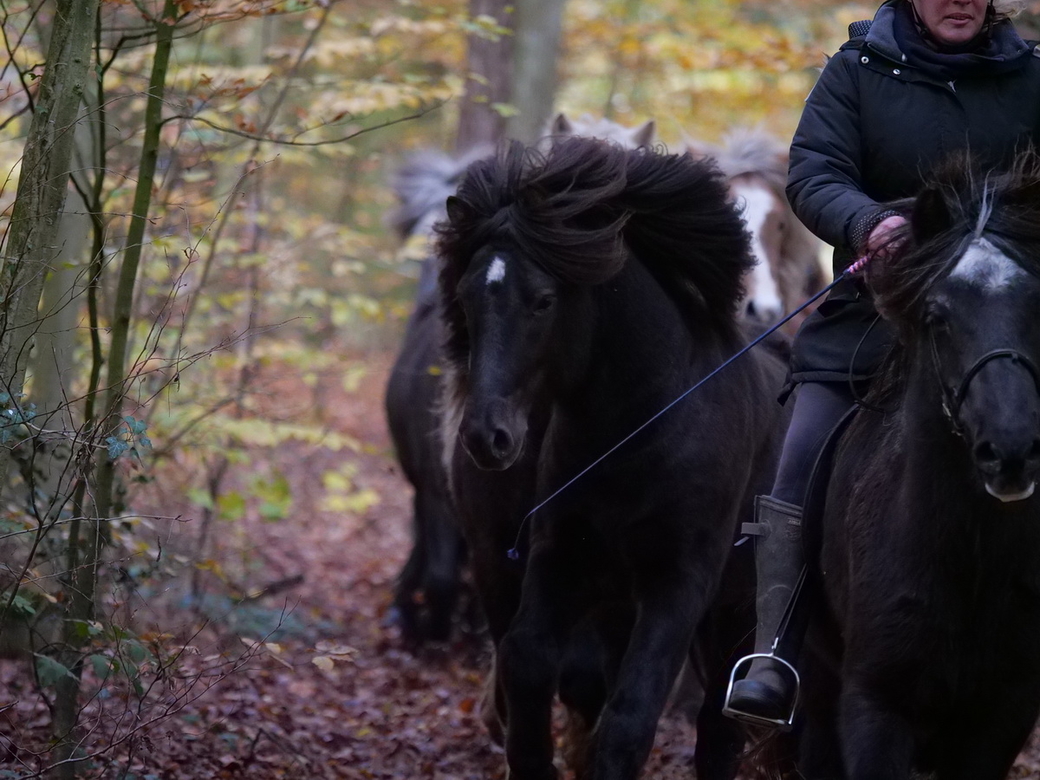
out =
column 859, row 265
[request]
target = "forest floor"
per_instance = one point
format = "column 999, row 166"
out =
column 307, row 681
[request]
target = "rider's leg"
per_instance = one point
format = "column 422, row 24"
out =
column 767, row 692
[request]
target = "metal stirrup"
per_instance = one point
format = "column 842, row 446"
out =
column 781, row 631
column 758, row 720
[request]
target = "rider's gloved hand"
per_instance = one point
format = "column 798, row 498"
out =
column 880, row 241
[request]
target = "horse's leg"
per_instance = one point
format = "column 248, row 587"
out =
column 588, row 670
column 490, row 529
column 720, row 740
column 529, row 659
column 877, row 743
column 445, row 548
column 725, row 634
column 659, row 644
column 987, row 739
column 411, row 577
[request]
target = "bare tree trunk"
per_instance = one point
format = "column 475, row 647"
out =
column 42, row 186
column 124, row 299
column 52, row 368
column 539, row 28
column 84, row 553
column 490, row 64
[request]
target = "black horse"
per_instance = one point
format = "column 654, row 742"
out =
column 927, row 643
column 430, row 582
column 583, row 292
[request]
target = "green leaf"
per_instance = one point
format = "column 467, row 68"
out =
column 137, row 652
column 23, row 607
column 232, row 506
column 201, row 497
column 103, row 666
column 505, row 110
column 50, row 671
column 276, row 497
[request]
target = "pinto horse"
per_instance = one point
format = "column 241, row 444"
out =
column 927, row 637
column 787, row 270
column 583, row 292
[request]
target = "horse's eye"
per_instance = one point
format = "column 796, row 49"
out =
column 935, row 317
column 544, row 304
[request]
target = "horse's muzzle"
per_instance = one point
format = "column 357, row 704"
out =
column 493, row 436
column 1009, row 472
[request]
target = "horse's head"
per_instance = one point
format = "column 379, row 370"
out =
column 786, row 269
column 965, row 295
column 533, row 248
column 511, row 308
column 767, row 217
column 515, row 217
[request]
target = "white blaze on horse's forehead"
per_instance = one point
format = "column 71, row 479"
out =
column 985, row 266
column 496, row 271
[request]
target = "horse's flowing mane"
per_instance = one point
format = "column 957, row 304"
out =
column 422, row 184
column 959, row 202
column 756, row 153
column 583, row 208
column 749, row 150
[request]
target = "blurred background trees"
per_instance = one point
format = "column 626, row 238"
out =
column 225, row 213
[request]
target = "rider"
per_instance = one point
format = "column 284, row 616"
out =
column 924, row 79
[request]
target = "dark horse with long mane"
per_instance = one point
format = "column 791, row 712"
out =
column 583, row 292
column 430, row 581
column 927, row 643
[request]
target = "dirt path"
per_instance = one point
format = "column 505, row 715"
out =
column 335, row 695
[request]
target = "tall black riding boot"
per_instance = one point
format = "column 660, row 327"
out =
column 768, row 694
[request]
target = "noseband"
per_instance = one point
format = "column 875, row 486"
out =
column 952, row 398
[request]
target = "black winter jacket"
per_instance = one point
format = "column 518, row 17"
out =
column 872, row 127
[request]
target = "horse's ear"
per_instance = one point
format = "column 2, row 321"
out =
column 458, row 210
column 561, row 125
column 930, row 216
column 644, row 134
column 698, row 150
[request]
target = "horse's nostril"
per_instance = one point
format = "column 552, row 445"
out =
column 987, row 457
column 501, row 441
column 1034, row 452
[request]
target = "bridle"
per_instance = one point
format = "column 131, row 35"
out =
column 953, row 398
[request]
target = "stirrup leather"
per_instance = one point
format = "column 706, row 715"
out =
column 758, row 720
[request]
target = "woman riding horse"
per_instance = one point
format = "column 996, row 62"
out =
column 925, row 79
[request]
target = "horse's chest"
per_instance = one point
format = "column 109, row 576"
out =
column 962, row 642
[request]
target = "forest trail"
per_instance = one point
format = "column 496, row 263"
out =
column 335, row 695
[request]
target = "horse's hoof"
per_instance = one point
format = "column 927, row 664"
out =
column 548, row 774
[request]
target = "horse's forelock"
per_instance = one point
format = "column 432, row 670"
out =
column 579, row 209
column 753, row 151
